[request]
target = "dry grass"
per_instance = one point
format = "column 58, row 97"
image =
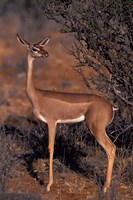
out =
column 81, row 177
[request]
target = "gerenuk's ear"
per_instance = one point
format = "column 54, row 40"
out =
column 44, row 42
column 22, row 41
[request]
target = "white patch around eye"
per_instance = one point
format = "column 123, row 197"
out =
column 35, row 50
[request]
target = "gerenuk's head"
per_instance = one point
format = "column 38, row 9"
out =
column 35, row 50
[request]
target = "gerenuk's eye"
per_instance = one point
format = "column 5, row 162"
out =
column 35, row 50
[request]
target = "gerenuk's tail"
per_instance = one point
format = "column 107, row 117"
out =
column 115, row 107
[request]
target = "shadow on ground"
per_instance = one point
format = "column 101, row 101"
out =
column 75, row 149
column 72, row 146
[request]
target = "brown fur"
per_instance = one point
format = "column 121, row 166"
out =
column 53, row 107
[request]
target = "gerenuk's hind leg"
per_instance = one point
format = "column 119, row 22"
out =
column 110, row 149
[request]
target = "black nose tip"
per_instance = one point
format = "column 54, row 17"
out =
column 46, row 54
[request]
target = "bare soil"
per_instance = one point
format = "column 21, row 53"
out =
column 67, row 185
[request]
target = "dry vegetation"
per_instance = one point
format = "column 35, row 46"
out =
column 80, row 163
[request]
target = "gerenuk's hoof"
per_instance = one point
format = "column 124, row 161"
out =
column 48, row 187
column 106, row 187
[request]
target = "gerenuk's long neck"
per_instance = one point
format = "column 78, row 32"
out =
column 30, row 88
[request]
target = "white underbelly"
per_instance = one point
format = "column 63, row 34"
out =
column 42, row 118
column 79, row 119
